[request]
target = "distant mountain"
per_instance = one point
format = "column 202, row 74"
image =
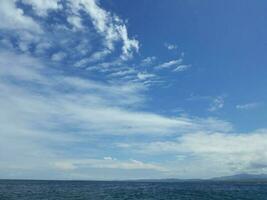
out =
column 242, row 177
column 167, row 180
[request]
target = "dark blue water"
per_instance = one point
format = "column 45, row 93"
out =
column 83, row 190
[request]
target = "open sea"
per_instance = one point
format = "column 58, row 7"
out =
column 87, row 190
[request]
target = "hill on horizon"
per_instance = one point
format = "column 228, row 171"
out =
column 242, row 177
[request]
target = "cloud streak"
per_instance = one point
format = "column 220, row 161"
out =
column 107, row 163
column 248, row 106
column 219, row 153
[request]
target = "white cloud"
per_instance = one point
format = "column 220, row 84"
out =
column 217, row 103
column 181, row 68
column 170, row 46
column 99, row 16
column 95, row 62
column 109, row 158
column 42, row 47
column 124, row 72
column 212, row 153
column 58, row 56
column 129, row 45
column 110, row 26
column 248, row 106
column 144, row 76
column 148, row 61
column 99, row 55
column 75, row 21
column 20, row 67
column 13, row 18
column 41, row 7
column 169, row 64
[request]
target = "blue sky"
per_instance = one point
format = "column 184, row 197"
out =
column 132, row 89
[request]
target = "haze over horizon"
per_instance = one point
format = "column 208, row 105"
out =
column 94, row 89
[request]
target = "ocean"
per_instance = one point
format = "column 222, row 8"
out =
column 98, row 190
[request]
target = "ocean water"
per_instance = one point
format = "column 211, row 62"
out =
column 87, row 190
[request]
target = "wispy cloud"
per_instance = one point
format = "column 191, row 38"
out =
column 58, row 56
column 124, row 72
column 169, row 64
column 174, row 65
column 148, row 61
column 111, row 27
column 248, row 106
column 170, row 46
column 217, row 103
column 181, row 68
column 144, row 76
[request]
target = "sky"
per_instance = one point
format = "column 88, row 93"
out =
column 111, row 90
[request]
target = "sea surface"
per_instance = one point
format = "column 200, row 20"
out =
column 87, row 190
